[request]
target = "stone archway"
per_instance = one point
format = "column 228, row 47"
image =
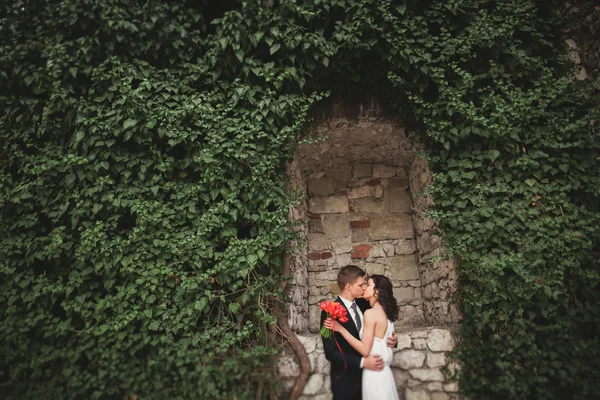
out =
column 365, row 204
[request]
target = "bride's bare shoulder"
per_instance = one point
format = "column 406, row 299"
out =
column 374, row 313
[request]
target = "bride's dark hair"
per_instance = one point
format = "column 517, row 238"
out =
column 386, row 298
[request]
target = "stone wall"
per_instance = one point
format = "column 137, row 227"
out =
column 437, row 275
column 359, row 208
column 365, row 204
column 419, row 366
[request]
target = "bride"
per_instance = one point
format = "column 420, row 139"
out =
column 376, row 385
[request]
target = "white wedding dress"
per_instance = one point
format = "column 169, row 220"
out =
column 380, row 385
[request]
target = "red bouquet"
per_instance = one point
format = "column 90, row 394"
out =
column 334, row 311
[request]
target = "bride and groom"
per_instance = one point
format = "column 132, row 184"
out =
column 360, row 360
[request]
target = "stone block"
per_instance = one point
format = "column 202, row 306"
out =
column 427, row 374
column 417, row 394
column 419, row 344
column 362, row 170
column 320, row 187
column 315, row 226
column 400, row 376
column 405, row 246
column 377, row 252
column 326, row 276
column 374, row 269
column 287, row 367
column 397, row 182
column 404, row 295
column 404, row 267
column 440, row 340
column 328, row 205
column 341, row 245
column 309, row 342
column 362, row 191
column 317, row 241
column 336, row 226
column 368, row 205
column 314, row 318
column 314, row 384
column 398, row 199
column 383, row 171
column 388, row 249
column 434, row 386
column 408, row 359
column 392, row 226
column 410, row 316
column 439, row 396
column 342, row 172
column 404, row 342
column 451, row 387
column 436, row 359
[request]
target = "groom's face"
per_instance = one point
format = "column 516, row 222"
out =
column 357, row 287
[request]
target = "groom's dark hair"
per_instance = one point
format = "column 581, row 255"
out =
column 348, row 274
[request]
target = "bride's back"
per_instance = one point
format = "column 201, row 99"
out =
column 381, row 321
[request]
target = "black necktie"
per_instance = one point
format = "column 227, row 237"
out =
column 358, row 324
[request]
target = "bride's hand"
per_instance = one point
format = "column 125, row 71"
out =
column 332, row 324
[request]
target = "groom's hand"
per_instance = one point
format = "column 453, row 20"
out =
column 392, row 340
column 374, row 362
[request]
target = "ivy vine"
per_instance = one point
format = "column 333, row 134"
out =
column 142, row 185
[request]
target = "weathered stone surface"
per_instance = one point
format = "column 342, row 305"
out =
column 404, row 267
column 288, row 367
column 362, row 170
column 440, row 340
column 435, row 359
column 326, row 276
column 341, row 245
column 374, row 269
column 360, row 235
column 320, row 187
column 317, row 241
column 419, row 344
column 419, row 333
column 342, row 172
column 391, row 226
column 368, row 205
column 417, row 394
column 398, row 182
column 314, row 384
column 388, row 249
column 439, row 396
column 315, row 226
column 398, row 199
column 404, row 295
column 328, row 205
column 434, row 386
column 405, row 246
column 362, row 191
column 377, row 252
column 309, row 342
column 408, row 359
column 336, row 226
column 383, row 171
column 451, row 387
column 404, row 342
column 427, row 374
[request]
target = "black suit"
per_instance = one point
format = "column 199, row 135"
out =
column 345, row 385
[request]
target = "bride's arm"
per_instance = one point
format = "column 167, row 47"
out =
column 364, row 346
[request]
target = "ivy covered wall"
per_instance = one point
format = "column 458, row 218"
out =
column 143, row 210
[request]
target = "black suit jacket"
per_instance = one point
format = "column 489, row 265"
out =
column 348, row 382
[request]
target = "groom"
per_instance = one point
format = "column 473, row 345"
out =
column 346, row 382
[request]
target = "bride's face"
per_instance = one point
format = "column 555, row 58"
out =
column 370, row 290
